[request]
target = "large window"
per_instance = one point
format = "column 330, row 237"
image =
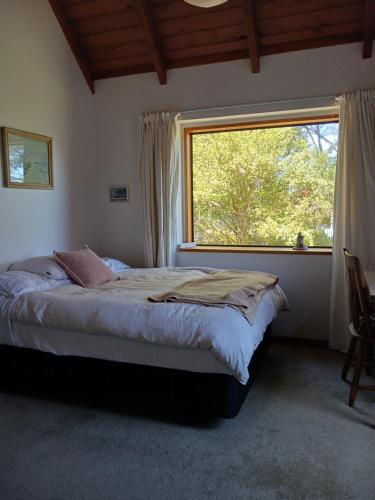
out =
column 260, row 184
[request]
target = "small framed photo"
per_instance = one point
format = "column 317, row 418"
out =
column 27, row 160
column 119, row 193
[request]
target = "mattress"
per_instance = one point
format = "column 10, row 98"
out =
column 109, row 347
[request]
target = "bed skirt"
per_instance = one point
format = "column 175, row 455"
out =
column 129, row 385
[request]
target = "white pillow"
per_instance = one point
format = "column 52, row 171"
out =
column 13, row 283
column 45, row 266
column 116, row 266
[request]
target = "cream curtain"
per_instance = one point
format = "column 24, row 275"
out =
column 159, row 173
column 354, row 202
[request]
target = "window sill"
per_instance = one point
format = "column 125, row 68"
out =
column 264, row 250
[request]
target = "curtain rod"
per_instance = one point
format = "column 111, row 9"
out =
column 263, row 103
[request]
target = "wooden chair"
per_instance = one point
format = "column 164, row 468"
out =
column 362, row 327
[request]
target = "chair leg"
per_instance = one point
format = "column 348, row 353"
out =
column 369, row 358
column 357, row 373
column 348, row 358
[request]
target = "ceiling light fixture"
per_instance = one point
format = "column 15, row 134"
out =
column 205, row 3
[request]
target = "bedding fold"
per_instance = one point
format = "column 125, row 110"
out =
column 241, row 290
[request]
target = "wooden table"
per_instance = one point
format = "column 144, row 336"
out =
column 370, row 279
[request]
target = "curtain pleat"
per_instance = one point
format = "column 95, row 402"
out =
column 159, row 174
column 354, row 203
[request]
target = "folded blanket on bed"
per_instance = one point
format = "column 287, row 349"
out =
column 241, row 290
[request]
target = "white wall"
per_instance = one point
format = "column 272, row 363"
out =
column 119, row 101
column 42, row 90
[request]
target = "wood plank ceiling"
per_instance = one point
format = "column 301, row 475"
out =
column 121, row 37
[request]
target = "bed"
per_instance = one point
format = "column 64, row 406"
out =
column 183, row 356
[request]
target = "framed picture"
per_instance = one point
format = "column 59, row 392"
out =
column 27, row 160
column 119, row 193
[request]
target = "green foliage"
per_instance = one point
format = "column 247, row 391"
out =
column 260, row 187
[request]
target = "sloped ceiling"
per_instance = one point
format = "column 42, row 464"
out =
column 122, row 37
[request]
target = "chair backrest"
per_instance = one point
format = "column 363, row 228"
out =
column 359, row 296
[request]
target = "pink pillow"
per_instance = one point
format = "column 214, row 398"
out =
column 85, row 267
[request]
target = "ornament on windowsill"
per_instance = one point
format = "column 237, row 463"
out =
column 300, row 243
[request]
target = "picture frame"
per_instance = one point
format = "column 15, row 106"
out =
column 119, row 193
column 27, row 159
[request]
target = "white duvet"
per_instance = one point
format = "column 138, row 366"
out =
column 122, row 309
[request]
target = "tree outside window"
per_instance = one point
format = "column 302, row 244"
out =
column 260, row 187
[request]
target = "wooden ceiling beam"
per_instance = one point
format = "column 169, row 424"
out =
column 72, row 41
column 88, row 9
column 152, row 40
column 252, row 36
column 368, row 29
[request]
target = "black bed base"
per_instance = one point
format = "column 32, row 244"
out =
column 132, row 386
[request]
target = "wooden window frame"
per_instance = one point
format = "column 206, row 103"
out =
column 188, row 180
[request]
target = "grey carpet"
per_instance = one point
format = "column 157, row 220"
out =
column 295, row 438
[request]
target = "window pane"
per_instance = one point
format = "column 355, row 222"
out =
column 263, row 186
